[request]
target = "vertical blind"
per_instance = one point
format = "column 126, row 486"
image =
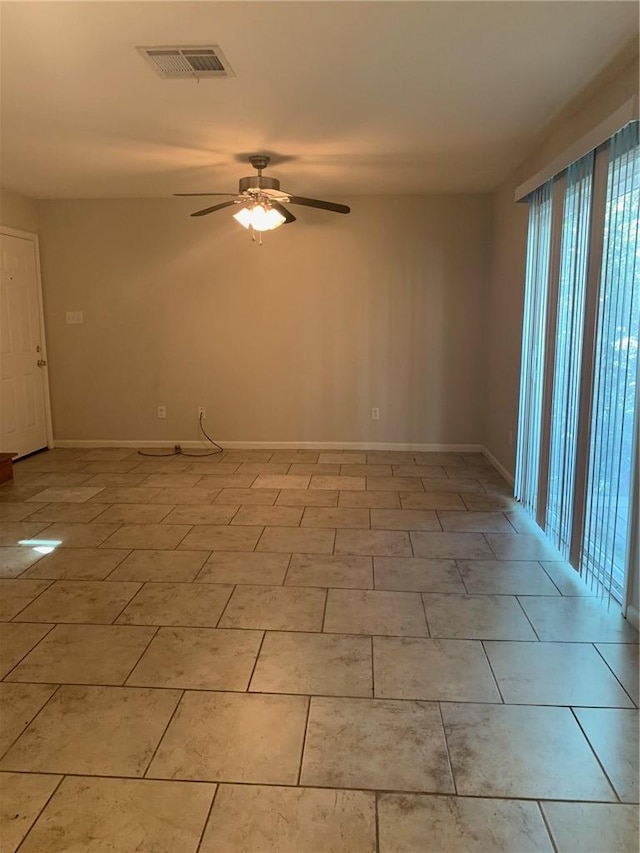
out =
column 576, row 221
column 534, row 330
column 578, row 392
column 611, row 452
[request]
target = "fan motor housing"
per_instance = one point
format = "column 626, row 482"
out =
column 258, row 182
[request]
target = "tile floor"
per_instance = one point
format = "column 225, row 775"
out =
column 302, row 652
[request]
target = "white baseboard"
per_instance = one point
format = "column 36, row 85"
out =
column 498, row 466
column 277, row 445
column 633, row 616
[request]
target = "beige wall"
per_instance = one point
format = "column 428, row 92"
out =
column 292, row 341
column 18, row 211
column 505, row 292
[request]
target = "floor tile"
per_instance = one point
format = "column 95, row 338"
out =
column 426, row 471
column 290, row 820
column 363, row 471
column 330, row 570
column 281, row 481
column 320, row 664
column 18, row 511
column 461, row 485
column 384, row 543
column 455, row 546
column 578, row 620
column 592, row 827
column 505, row 577
column 296, row 539
column 521, row 751
column 248, row 567
column 335, row 517
column 207, row 465
column 412, row 822
column 404, row 519
column 394, row 484
column 84, row 654
column 154, row 565
column 126, row 495
column 482, row 502
column 340, row 483
column 291, row 456
column 234, row 737
column 343, row 457
column 19, row 703
column 221, row 538
column 440, row 670
column 22, row 796
column 613, row 734
column 247, row 456
column 16, row 594
column 12, row 532
column 134, row 514
column 567, row 579
column 476, row 617
column 275, row 608
column 351, row 611
column 124, row 815
column 15, row 560
column 113, row 479
column 80, row 601
column 416, row 574
column 78, row 512
column 172, row 480
column 521, row 546
column 373, row 500
column 307, row 497
column 274, row 516
column 195, row 605
column 375, row 744
column 16, row 640
column 109, row 731
column 72, row 535
column 623, row 660
column 390, row 457
column 148, row 536
column 554, row 674
column 198, row 659
column 248, row 497
column 264, row 468
column 226, row 481
column 431, row 500
column 69, row 494
column 197, row 495
column 91, row 564
column 474, row 522
column 310, row 469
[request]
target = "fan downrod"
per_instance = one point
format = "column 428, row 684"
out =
column 259, row 162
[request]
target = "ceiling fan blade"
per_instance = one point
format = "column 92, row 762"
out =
column 193, row 194
column 288, row 216
column 215, row 207
column 323, row 205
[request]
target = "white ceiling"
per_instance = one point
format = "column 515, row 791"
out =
column 348, row 97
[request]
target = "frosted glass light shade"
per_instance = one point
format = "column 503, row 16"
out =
column 259, row 218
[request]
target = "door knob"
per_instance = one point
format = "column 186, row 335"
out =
column 41, row 362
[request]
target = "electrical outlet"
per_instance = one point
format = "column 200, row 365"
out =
column 162, row 412
column 375, row 414
column 202, row 412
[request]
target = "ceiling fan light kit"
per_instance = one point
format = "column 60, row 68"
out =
column 264, row 201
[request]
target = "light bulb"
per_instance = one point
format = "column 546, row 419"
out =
column 259, row 217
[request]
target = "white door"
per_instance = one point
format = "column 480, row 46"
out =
column 23, row 380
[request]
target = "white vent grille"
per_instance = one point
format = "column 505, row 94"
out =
column 173, row 61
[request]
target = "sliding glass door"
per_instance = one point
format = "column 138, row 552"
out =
column 577, row 433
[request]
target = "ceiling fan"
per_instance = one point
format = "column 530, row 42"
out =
column 263, row 201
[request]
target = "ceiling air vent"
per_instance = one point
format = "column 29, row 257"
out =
column 173, row 62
